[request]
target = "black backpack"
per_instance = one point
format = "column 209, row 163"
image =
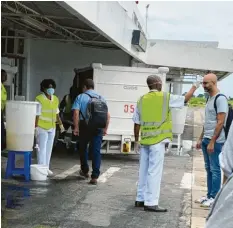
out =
column 229, row 117
column 97, row 113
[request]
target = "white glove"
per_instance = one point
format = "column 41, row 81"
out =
column 62, row 129
column 197, row 84
column 136, row 147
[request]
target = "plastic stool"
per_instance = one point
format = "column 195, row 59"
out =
column 12, row 170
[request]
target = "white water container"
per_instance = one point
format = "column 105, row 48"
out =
column 39, row 172
column 178, row 119
column 20, row 125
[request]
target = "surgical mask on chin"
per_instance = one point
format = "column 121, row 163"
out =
column 50, row 91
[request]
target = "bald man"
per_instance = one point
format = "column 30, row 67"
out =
column 213, row 137
column 153, row 117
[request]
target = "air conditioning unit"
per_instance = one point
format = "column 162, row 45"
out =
column 139, row 41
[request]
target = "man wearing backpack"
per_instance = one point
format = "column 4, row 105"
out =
column 91, row 119
column 213, row 137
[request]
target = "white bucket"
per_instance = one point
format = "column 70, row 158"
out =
column 39, row 172
column 20, row 125
column 178, row 119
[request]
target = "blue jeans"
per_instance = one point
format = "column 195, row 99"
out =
column 212, row 167
column 95, row 140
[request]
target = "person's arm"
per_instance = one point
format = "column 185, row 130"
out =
column 62, row 104
column 178, row 101
column 199, row 141
column 222, row 109
column 107, row 124
column 76, row 110
column 136, row 120
column 190, row 93
column 136, row 131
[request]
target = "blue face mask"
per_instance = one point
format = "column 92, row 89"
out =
column 50, row 91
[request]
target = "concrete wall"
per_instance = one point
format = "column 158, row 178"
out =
column 118, row 27
column 57, row 60
column 189, row 55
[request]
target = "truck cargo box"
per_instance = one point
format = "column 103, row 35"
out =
column 121, row 87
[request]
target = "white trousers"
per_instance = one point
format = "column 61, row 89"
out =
column 45, row 140
column 150, row 173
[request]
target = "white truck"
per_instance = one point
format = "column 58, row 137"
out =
column 121, row 87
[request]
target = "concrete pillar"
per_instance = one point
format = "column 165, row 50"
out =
column 177, row 88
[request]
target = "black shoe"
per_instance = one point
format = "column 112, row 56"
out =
column 82, row 174
column 154, row 209
column 139, row 204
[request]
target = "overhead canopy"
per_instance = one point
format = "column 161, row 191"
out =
column 48, row 20
column 190, row 58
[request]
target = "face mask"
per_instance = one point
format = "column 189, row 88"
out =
column 50, row 91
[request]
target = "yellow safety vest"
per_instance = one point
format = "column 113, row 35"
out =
column 155, row 118
column 48, row 117
column 3, row 97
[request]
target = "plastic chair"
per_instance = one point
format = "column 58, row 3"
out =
column 12, row 170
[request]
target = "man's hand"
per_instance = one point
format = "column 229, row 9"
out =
column 198, row 145
column 197, row 84
column 136, row 146
column 210, row 147
column 105, row 132
column 76, row 132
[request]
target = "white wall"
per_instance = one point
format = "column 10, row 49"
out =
column 110, row 18
column 57, row 60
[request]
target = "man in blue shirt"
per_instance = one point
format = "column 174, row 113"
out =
column 85, row 137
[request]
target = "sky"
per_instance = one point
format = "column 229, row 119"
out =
column 192, row 20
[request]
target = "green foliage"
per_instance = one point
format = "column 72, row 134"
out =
column 201, row 101
column 197, row 102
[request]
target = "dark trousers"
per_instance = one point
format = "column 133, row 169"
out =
column 3, row 133
column 95, row 139
column 67, row 126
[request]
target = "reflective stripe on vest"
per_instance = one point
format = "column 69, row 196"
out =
column 47, row 119
column 155, row 133
column 155, row 118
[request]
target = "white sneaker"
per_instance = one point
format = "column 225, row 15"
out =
column 208, row 203
column 201, row 200
column 50, row 173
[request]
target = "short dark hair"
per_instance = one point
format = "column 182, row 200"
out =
column 89, row 83
column 46, row 83
column 3, row 71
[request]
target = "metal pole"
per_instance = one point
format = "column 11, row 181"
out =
column 147, row 7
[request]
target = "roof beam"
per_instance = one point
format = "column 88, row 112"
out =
column 49, row 23
column 63, row 40
column 21, row 15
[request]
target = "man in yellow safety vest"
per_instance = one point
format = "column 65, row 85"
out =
column 3, row 104
column 153, row 118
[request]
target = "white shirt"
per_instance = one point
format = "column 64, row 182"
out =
column 226, row 157
column 176, row 101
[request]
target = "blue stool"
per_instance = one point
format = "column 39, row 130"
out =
column 12, row 170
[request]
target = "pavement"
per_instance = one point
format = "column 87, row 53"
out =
column 66, row 200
